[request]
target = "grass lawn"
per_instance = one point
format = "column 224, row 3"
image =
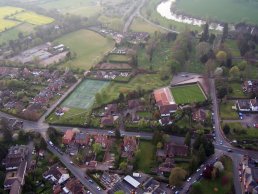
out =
column 160, row 59
column 232, row 45
column 207, row 186
column 226, row 111
column 237, row 90
column 83, row 96
column 12, row 34
column 139, row 25
column 188, row 94
column 118, row 58
column 74, row 116
column 88, row 46
column 114, row 23
column 238, row 11
column 240, row 132
column 32, row 18
column 145, row 114
column 146, row 157
column 148, row 82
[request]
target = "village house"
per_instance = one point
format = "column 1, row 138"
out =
column 16, row 154
column 254, row 104
column 82, row 138
column 56, row 174
column 135, row 103
column 101, row 139
column 72, row 186
column 250, row 86
column 199, row 115
column 243, row 105
column 165, row 101
column 172, row 150
column 130, row 145
column 107, row 121
column 111, row 109
column 14, row 180
column 68, row 136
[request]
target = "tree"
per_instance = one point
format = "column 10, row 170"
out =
column 202, row 49
column 201, row 153
column 205, row 33
column 159, row 145
column 123, row 166
column 188, row 139
column 225, row 32
column 226, row 129
column 219, row 166
column 177, row 176
column 234, row 73
column 117, row 134
column 97, row 148
column 221, row 56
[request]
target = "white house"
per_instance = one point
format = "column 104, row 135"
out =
column 56, row 174
column 254, row 104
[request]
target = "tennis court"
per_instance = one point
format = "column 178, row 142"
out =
column 84, row 95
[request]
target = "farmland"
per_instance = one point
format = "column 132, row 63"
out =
column 12, row 34
column 32, row 18
column 84, row 96
column 11, row 17
column 84, row 8
column 188, row 94
column 88, row 46
column 238, row 11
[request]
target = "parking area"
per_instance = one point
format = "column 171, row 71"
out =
column 248, row 120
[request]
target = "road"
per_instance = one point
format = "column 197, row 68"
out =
column 76, row 171
column 131, row 17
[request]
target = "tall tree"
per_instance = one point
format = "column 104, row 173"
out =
column 205, row 33
column 177, row 176
column 225, row 31
column 188, row 139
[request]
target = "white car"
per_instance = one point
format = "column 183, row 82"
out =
column 71, row 162
column 110, row 132
column 221, row 143
column 188, row 180
column 198, row 170
column 98, row 188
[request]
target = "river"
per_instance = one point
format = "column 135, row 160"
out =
column 164, row 9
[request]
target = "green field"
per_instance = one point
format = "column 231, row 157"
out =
column 236, row 10
column 146, row 156
column 148, row 82
column 84, row 8
column 12, row 16
column 84, row 95
column 12, row 34
column 88, row 46
column 188, row 94
column 139, row 25
column 118, row 58
column 226, row 111
column 32, row 18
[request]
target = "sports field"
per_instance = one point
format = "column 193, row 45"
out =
column 188, row 94
column 88, row 46
column 84, row 95
column 232, row 11
column 32, row 18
